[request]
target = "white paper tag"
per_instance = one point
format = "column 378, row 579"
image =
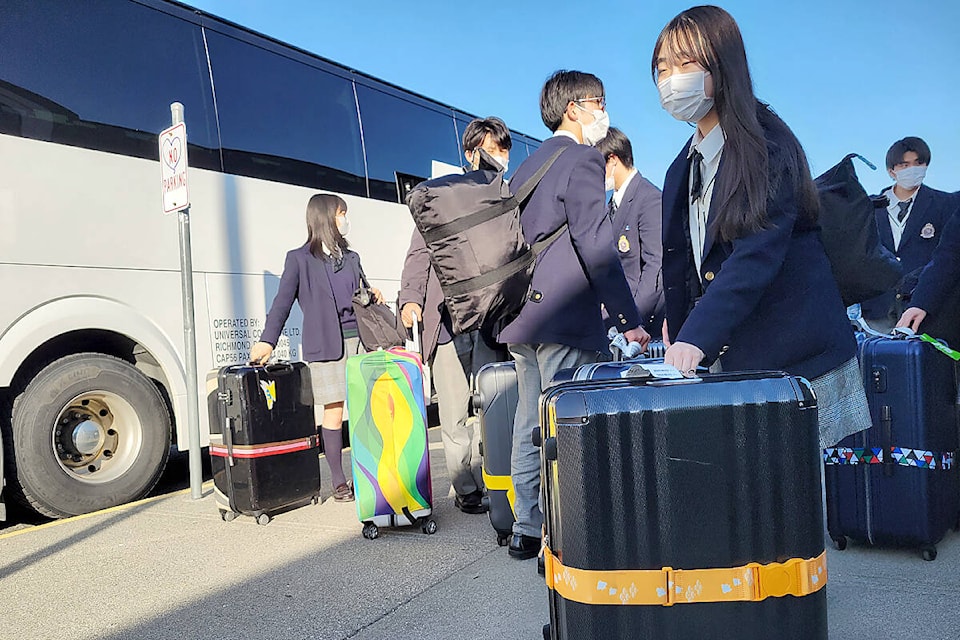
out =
column 660, row 371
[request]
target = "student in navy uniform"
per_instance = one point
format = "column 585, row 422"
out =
column 910, row 225
column 635, row 213
column 745, row 274
column 322, row 276
column 560, row 326
column 455, row 360
column 938, row 281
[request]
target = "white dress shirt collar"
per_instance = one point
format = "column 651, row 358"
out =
column 618, row 194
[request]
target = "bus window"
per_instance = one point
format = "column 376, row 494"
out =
column 102, row 76
column 285, row 120
column 402, row 138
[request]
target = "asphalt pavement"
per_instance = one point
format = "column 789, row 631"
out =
column 170, row 568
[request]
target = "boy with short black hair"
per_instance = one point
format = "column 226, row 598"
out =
column 560, row 325
column 910, row 225
column 635, row 211
column 455, row 360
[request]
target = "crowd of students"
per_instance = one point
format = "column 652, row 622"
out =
column 726, row 264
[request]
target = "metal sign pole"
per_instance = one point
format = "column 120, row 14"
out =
column 189, row 339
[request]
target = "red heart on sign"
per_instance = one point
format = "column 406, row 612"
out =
column 172, row 148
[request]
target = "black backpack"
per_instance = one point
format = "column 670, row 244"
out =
column 471, row 226
column 862, row 267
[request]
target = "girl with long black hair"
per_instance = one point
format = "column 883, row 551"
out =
column 746, row 279
column 322, row 276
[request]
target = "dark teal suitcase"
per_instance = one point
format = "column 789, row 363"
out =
column 650, row 484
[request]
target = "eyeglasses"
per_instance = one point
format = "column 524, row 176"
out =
column 601, row 101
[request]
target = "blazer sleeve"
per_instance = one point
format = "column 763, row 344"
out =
column 592, row 235
column 649, row 226
column 416, row 271
column 942, row 274
column 283, row 301
column 745, row 275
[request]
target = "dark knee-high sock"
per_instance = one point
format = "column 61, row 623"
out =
column 332, row 445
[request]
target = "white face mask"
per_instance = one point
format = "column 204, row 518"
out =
column 343, row 226
column 608, row 184
column 911, row 177
column 683, row 96
column 597, row 130
column 503, row 162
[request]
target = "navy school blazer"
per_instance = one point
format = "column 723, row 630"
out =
column 580, row 269
column 305, row 280
column 637, row 227
column 942, row 275
column 769, row 297
column 921, row 235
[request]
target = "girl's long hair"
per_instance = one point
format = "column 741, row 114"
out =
column 322, row 226
column 710, row 36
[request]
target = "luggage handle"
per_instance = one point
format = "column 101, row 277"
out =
column 415, row 344
column 228, row 438
column 886, row 440
column 620, row 349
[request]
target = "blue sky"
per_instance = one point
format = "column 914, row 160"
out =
column 846, row 75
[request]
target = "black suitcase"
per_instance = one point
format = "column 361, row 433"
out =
column 680, row 509
column 263, row 440
column 495, row 404
column 898, row 483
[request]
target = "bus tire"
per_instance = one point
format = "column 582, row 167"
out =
column 90, row 431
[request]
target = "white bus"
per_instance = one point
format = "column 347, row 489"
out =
column 92, row 373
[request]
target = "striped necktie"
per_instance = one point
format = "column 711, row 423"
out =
column 904, row 208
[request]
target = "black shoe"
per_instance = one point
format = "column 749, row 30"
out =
column 523, row 547
column 471, row 503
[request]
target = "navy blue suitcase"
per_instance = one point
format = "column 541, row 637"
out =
column 653, row 488
column 897, row 483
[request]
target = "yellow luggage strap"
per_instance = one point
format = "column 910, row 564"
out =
column 748, row 583
column 500, row 483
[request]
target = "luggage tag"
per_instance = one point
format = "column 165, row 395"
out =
column 658, row 371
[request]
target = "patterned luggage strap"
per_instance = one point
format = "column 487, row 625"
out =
column 751, row 582
column 900, row 455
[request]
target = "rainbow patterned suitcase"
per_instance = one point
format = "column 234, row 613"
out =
column 388, row 438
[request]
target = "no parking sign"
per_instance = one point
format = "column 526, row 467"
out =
column 173, row 168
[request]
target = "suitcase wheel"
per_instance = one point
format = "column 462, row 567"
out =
column 503, row 539
column 227, row 516
column 928, row 553
column 371, row 531
column 841, row 542
column 429, row 527
column 263, row 519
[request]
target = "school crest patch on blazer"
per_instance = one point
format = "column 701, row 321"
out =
column 928, row 231
column 623, row 245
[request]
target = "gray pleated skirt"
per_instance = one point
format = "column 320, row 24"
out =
column 329, row 379
column 841, row 403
